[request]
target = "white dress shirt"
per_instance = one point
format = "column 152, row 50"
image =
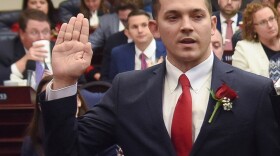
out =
column 199, row 77
column 150, row 53
column 200, row 80
column 94, row 20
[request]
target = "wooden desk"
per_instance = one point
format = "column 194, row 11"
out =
column 16, row 111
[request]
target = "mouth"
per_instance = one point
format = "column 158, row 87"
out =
column 187, row 41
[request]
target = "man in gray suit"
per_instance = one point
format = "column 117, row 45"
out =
column 111, row 23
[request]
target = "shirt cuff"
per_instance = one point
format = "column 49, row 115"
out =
column 60, row 93
column 16, row 74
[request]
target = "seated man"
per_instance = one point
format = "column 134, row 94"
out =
column 143, row 52
column 15, row 54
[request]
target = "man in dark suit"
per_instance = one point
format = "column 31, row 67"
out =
column 113, row 41
column 15, row 53
column 128, row 56
column 136, row 113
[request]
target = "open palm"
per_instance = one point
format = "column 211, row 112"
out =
column 72, row 52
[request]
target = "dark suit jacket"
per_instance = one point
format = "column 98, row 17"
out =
column 123, row 58
column 217, row 14
column 113, row 41
column 10, row 52
column 130, row 115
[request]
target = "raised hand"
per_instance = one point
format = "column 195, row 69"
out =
column 72, row 52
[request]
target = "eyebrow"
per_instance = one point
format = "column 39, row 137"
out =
column 195, row 10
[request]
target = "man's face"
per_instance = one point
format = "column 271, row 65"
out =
column 217, row 44
column 35, row 30
column 41, row 5
column 122, row 14
column 138, row 29
column 185, row 27
column 229, row 7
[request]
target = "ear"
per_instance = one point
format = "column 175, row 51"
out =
column 153, row 26
column 21, row 34
column 213, row 25
column 127, row 34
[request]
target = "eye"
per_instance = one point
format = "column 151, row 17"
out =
column 198, row 17
column 172, row 18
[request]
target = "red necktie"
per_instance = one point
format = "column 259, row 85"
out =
column 229, row 33
column 143, row 61
column 181, row 130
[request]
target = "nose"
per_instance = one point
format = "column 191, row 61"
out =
column 186, row 25
column 41, row 36
column 140, row 29
column 269, row 24
column 229, row 1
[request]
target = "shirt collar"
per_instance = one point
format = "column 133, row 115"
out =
column 149, row 51
column 196, row 75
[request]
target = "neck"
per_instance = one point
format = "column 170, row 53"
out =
column 273, row 43
column 144, row 45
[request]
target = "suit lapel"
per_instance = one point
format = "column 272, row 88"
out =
column 155, row 88
column 130, row 60
column 220, row 75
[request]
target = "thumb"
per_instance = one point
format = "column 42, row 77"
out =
column 87, row 52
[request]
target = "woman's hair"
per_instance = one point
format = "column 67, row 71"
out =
column 35, row 128
column 248, row 32
column 52, row 15
column 276, row 3
column 104, row 9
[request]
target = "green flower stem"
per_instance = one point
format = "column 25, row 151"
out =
column 218, row 104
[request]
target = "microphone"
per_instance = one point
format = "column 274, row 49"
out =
column 30, row 68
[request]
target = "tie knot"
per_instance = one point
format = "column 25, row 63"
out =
column 184, row 81
column 229, row 21
column 142, row 55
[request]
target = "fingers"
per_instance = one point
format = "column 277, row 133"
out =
column 85, row 31
column 37, row 53
column 60, row 37
column 78, row 27
column 69, row 29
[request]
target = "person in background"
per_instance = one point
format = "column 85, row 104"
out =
column 229, row 18
column 217, row 44
column 15, row 54
column 142, row 53
column 93, row 10
column 259, row 51
column 45, row 6
column 112, row 23
column 167, row 109
column 33, row 142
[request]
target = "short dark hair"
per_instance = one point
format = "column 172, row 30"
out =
column 137, row 12
column 31, row 14
column 156, row 7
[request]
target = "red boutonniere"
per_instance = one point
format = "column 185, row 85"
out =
column 224, row 96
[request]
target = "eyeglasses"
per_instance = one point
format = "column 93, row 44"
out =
column 36, row 33
column 265, row 21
